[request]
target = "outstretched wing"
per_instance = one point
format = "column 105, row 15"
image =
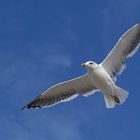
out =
column 63, row 92
column 126, row 47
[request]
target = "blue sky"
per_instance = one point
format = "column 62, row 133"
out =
column 43, row 43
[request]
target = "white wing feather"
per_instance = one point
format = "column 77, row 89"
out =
column 127, row 45
column 62, row 92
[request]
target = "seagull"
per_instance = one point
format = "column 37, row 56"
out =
column 99, row 77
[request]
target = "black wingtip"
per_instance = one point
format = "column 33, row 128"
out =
column 33, row 104
column 29, row 106
column 23, row 108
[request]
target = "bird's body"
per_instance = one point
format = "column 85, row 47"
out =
column 100, row 77
column 102, row 80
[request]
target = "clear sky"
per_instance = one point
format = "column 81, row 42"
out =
column 43, row 43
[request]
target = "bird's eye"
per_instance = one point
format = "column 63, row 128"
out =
column 91, row 63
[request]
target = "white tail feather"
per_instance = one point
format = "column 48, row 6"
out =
column 109, row 101
column 120, row 93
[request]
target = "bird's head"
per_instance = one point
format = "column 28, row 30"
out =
column 90, row 65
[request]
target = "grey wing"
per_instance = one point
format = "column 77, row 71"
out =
column 127, row 45
column 64, row 91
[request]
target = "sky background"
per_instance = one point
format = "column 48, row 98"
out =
column 44, row 42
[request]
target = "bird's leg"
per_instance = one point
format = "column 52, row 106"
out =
column 117, row 100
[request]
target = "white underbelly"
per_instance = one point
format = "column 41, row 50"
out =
column 102, row 81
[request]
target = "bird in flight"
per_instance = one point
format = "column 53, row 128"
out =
column 99, row 77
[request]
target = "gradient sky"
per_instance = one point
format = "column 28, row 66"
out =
column 43, row 43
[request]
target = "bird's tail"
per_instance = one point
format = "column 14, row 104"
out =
column 119, row 97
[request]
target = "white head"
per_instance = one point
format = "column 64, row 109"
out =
column 90, row 65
